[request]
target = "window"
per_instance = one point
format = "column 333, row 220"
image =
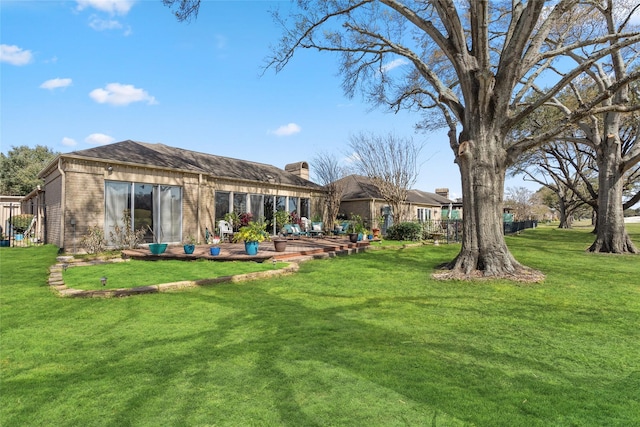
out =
column 222, row 204
column 305, row 208
column 239, row 203
column 152, row 207
column 293, row 204
column 256, row 206
column 281, row 203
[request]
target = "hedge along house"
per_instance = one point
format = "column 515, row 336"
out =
column 170, row 192
column 362, row 197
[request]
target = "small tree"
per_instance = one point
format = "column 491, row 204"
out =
column 391, row 163
column 124, row 236
column 328, row 172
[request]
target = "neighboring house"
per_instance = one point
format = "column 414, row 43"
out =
column 362, row 197
column 171, row 191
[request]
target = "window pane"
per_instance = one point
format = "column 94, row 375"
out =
column 117, row 200
column 257, row 206
column 281, row 203
column 170, row 213
column 293, row 204
column 143, row 210
column 239, row 203
column 305, row 208
column 222, row 205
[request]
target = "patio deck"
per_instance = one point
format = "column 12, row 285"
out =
column 297, row 249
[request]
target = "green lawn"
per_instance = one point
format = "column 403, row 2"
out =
column 368, row 339
column 143, row 273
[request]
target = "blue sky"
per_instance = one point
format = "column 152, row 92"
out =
column 76, row 74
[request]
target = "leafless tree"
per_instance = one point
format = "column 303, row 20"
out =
column 328, row 172
column 568, row 170
column 390, row 162
column 472, row 62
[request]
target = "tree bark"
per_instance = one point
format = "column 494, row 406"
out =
column 611, row 235
column 484, row 252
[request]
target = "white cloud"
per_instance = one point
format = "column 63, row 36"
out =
column 114, row 7
column 68, row 142
column 119, row 94
column 15, row 55
column 99, row 24
column 287, row 130
column 55, row 83
column 99, row 139
column 393, row 64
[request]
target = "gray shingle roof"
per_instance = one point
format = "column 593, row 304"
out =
column 358, row 187
column 164, row 156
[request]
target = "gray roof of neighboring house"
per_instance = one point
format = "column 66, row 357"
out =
column 361, row 187
column 164, row 156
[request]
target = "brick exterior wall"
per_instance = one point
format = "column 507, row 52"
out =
column 80, row 196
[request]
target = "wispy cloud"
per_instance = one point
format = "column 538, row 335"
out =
column 113, row 7
column 286, row 130
column 55, row 83
column 119, row 94
column 393, row 64
column 100, row 24
column 68, row 142
column 15, row 55
column 99, row 139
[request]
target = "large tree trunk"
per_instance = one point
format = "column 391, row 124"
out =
column 611, row 235
column 484, row 252
column 565, row 217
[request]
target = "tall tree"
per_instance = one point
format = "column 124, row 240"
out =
column 471, row 61
column 390, row 162
column 20, row 167
column 328, row 172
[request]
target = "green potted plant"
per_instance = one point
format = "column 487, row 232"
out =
column 251, row 234
column 4, row 241
column 189, row 244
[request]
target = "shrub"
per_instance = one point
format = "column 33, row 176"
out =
column 405, row 231
column 93, row 242
column 124, row 236
column 21, row 222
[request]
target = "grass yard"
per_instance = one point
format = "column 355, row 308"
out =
column 143, row 273
column 367, row 339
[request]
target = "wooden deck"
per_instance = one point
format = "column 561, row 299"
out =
column 297, row 249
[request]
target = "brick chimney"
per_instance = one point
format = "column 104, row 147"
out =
column 300, row 169
column 444, row 192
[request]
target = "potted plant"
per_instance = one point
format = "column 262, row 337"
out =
column 251, row 234
column 4, row 241
column 214, row 250
column 282, row 217
column 279, row 244
column 157, row 247
column 356, row 226
column 189, row 244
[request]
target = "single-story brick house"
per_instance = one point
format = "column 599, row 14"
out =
column 362, row 197
column 175, row 192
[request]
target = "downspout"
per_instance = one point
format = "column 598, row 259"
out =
column 63, row 203
column 198, row 207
